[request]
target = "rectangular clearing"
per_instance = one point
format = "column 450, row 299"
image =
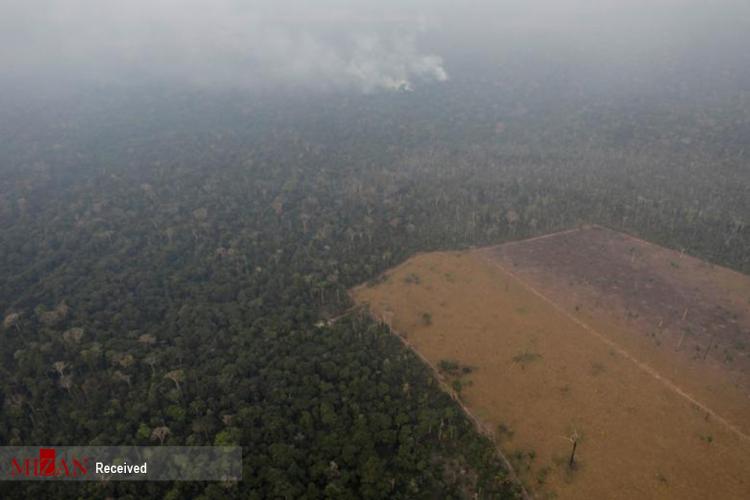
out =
column 638, row 350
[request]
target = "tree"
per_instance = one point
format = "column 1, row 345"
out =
column 160, row 433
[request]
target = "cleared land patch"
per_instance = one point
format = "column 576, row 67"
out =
column 550, row 338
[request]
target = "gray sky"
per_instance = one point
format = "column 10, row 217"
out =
column 364, row 45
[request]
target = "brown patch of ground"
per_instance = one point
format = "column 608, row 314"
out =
column 685, row 318
column 539, row 370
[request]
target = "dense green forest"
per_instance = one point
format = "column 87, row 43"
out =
column 169, row 260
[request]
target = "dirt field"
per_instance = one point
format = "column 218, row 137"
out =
column 639, row 351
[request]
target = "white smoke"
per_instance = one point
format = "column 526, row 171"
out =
column 392, row 64
column 216, row 43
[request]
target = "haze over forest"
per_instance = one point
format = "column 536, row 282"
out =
column 367, row 46
column 189, row 189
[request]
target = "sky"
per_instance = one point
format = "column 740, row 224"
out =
column 367, row 46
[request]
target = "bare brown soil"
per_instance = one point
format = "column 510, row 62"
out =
column 555, row 335
column 687, row 319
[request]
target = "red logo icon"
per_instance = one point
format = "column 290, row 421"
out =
column 48, row 465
